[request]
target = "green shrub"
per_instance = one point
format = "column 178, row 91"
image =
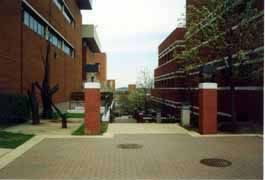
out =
column 14, row 108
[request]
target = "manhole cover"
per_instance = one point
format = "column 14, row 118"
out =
column 216, row 162
column 129, row 146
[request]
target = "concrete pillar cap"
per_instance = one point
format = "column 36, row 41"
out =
column 92, row 85
column 208, row 86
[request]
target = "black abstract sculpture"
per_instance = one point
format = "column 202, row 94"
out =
column 45, row 90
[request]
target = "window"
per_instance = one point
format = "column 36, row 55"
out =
column 31, row 22
column 35, row 24
column 58, row 3
column 67, row 49
column 26, row 18
column 62, row 7
column 67, row 16
column 59, row 44
column 54, row 40
column 41, row 30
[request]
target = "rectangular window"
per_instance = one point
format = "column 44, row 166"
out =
column 50, row 37
column 54, row 40
column 31, row 22
column 35, row 23
column 67, row 16
column 41, row 30
column 59, row 44
column 67, row 49
column 26, row 18
column 58, row 3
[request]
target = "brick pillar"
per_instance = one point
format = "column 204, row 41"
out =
column 208, row 108
column 92, row 108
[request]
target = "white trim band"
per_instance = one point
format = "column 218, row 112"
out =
column 208, row 86
column 92, row 85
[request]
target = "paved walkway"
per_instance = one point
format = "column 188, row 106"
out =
column 168, row 152
column 46, row 127
column 163, row 156
column 145, row 128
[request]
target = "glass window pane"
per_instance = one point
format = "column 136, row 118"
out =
column 31, row 21
column 54, row 40
column 50, row 37
column 67, row 16
column 59, row 45
column 58, row 4
column 35, row 25
column 72, row 53
column 26, row 18
column 39, row 28
column 66, row 49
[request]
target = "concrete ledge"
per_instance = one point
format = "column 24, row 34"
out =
column 79, row 137
column 8, row 158
column 207, row 86
column 198, row 135
column 92, row 85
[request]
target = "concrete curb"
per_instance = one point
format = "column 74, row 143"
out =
column 11, row 156
column 198, row 135
column 78, row 137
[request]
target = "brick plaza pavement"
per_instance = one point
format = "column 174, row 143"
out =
column 163, row 156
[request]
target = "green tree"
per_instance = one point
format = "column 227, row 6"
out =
column 223, row 29
column 145, row 82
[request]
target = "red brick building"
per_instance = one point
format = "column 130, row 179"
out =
column 92, row 53
column 173, row 87
column 27, row 26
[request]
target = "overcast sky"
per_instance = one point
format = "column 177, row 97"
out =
column 130, row 32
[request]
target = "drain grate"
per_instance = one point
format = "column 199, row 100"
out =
column 213, row 162
column 129, row 146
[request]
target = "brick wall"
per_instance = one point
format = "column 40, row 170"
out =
column 10, row 43
column 93, row 58
column 25, row 49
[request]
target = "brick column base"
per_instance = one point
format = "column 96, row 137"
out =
column 92, row 108
column 208, row 108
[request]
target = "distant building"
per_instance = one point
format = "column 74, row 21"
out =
column 26, row 27
column 112, row 84
column 131, row 88
column 92, row 55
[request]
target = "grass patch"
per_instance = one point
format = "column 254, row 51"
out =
column 75, row 115
column 81, row 130
column 13, row 140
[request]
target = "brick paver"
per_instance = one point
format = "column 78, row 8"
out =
column 163, row 156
